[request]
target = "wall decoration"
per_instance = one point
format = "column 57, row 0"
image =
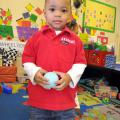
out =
column 6, row 31
column 24, row 33
column 29, row 7
column 38, row 11
column 102, row 39
column 27, row 25
column 33, row 17
column 99, row 16
column 26, row 15
column 5, row 17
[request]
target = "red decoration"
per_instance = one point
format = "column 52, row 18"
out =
column 102, row 39
column 9, row 37
column 0, row 37
column 38, row 11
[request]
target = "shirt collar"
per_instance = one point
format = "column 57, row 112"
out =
column 46, row 28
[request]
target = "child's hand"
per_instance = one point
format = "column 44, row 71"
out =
column 39, row 78
column 63, row 82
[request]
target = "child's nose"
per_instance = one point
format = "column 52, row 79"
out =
column 57, row 14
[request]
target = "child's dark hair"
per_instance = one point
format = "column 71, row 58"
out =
column 46, row 1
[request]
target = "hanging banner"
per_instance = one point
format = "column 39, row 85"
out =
column 19, row 46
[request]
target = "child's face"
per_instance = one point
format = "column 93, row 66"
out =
column 57, row 13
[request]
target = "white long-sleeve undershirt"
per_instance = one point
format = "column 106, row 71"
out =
column 75, row 72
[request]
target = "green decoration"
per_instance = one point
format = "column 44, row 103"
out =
column 33, row 17
column 6, row 31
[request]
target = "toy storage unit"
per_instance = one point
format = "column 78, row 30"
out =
column 100, row 58
column 8, row 74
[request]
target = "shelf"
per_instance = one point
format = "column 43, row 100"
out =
column 111, row 75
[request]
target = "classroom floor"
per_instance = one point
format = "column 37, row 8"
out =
column 12, row 107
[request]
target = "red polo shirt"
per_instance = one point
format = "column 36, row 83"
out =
column 53, row 53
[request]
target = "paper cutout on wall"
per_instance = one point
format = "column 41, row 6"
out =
column 93, row 32
column 5, row 17
column 24, row 33
column 30, row 17
column 33, row 17
column 6, row 31
column 1, row 20
column 88, row 30
column 0, row 37
column 29, row 7
column 8, row 12
column 38, row 11
column 23, row 22
column 102, row 39
column 26, row 15
column 26, row 23
column 19, row 21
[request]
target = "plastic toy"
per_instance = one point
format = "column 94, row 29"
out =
column 0, row 89
column 103, row 91
column 52, row 77
column 10, row 88
column 6, row 89
column 16, row 88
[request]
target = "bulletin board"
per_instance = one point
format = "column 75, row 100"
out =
column 20, row 20
column 99, row 16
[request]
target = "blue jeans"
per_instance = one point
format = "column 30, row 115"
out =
column 40, row 114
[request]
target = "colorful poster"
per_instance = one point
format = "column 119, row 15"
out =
column 99, row 16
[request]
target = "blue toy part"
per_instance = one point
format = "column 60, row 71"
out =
column 52, row 78
column 6, row 89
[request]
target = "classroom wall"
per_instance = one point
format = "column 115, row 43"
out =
column 114, row 39
column 19, row 7
column 117, row 39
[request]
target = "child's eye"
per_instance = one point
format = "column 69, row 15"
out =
column 52, row 9
column 64, row 10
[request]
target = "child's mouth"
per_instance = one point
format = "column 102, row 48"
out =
column 57, row 21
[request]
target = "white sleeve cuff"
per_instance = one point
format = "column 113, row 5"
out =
column 75, row 73
column 31, row 69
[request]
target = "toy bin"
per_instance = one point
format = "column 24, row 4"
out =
column 8, row 74
column 99, row 58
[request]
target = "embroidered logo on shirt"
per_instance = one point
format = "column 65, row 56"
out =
column 67, row 41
